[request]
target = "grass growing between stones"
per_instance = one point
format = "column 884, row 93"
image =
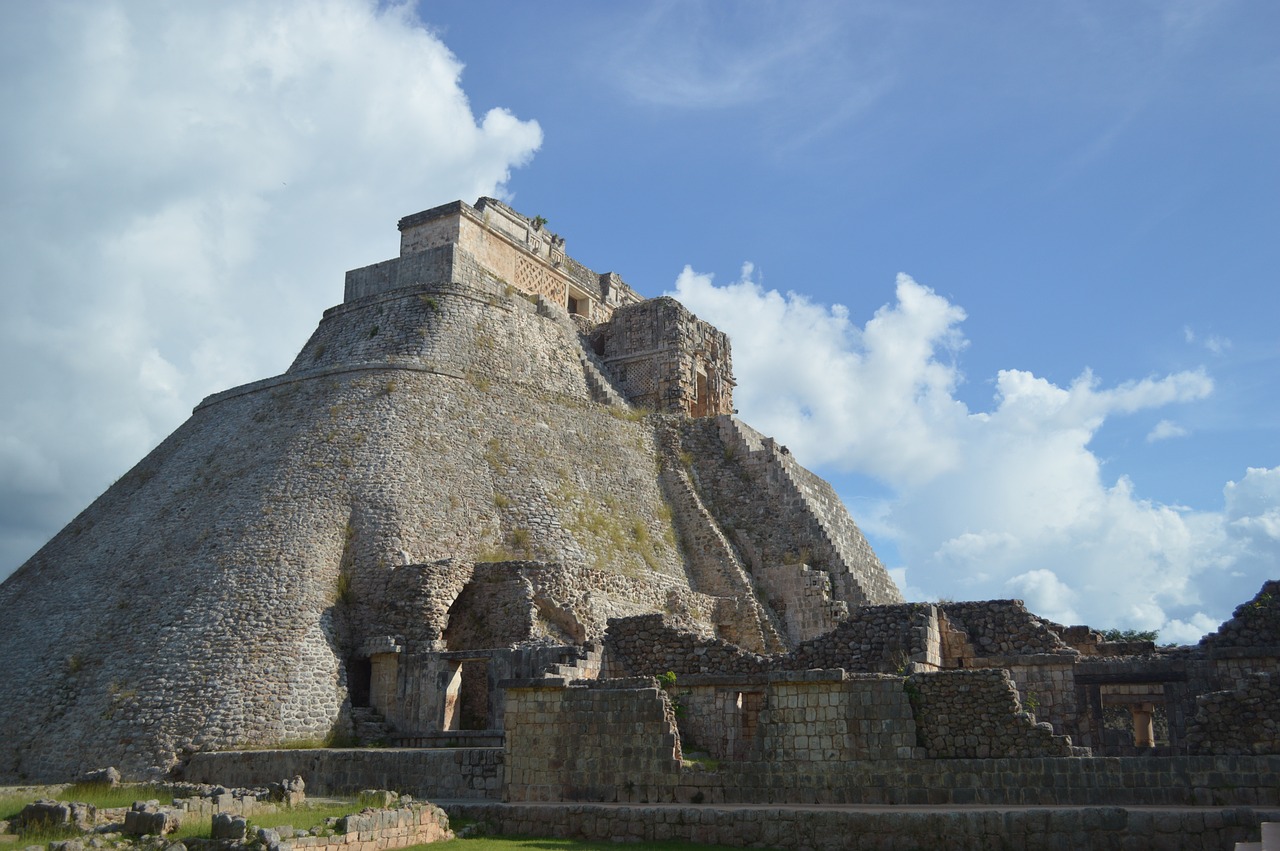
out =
column 303, row 817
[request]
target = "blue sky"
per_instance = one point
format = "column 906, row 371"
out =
column 1005, row 273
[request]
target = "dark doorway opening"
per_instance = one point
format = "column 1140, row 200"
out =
column 359, row 680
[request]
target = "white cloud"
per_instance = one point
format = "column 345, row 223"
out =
column 985, row 502
column 1164, row 430
column 185, row 184
column 1046, row 594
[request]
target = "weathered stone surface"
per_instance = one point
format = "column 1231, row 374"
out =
column 228, row 826
column 148, row 818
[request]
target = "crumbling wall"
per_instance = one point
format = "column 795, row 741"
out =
column 875, row 639
column 976, row 714
column 1243, row 720
column 1001, row 628
column 883, row 639
column 648, row 645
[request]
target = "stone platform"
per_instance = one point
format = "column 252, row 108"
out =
column 832, row 828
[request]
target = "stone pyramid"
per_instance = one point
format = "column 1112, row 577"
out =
column 487, row 448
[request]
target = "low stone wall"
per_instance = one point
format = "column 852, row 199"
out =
column 1044, row 781
column 587, row 741
column 423, row 773
column 798, row 828
column 378, row 830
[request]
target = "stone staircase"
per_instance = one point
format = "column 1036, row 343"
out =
column 849, row 553
column 714, row 566
column 601, row 386
column 370, row 727
column 452, row 739
column 576, row 663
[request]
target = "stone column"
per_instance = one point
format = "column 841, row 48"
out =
column 1144, row 735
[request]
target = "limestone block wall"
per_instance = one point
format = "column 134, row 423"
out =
column 883, row 639
column 831, row 717
column 802, row 718
column 874, row 639
column 649, row 645
column 803, row 599
column 1047, row 688
column 587, row 741
column 550, row 767
column 976, row 714
column 1253, row 624
column 996, row 628
column 1243, row 720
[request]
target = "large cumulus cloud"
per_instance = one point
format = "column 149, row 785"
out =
column 1006, row 501
column 184, row 184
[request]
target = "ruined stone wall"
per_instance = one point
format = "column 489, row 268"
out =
column 1047, row 688
column 586, row 741
column 882, row 639
column 1253, row 624
column 976, row 714
column 875, row 639
column 796, row 717
column 424, row 773
column 641, row 765
column 1243, row 720
column 383, row 829
column 996, row 628
column 649, row 645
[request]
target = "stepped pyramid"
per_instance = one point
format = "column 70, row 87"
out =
column 480, row 456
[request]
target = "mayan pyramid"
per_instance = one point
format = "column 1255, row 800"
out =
column 485, row 447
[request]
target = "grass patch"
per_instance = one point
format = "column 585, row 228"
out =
column 102, row 795
column 629, row 414
column 306, row 816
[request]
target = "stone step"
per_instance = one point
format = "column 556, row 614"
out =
column 451, row 739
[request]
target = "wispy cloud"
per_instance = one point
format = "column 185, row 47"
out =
column 821, row 60
column 1164, row 430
